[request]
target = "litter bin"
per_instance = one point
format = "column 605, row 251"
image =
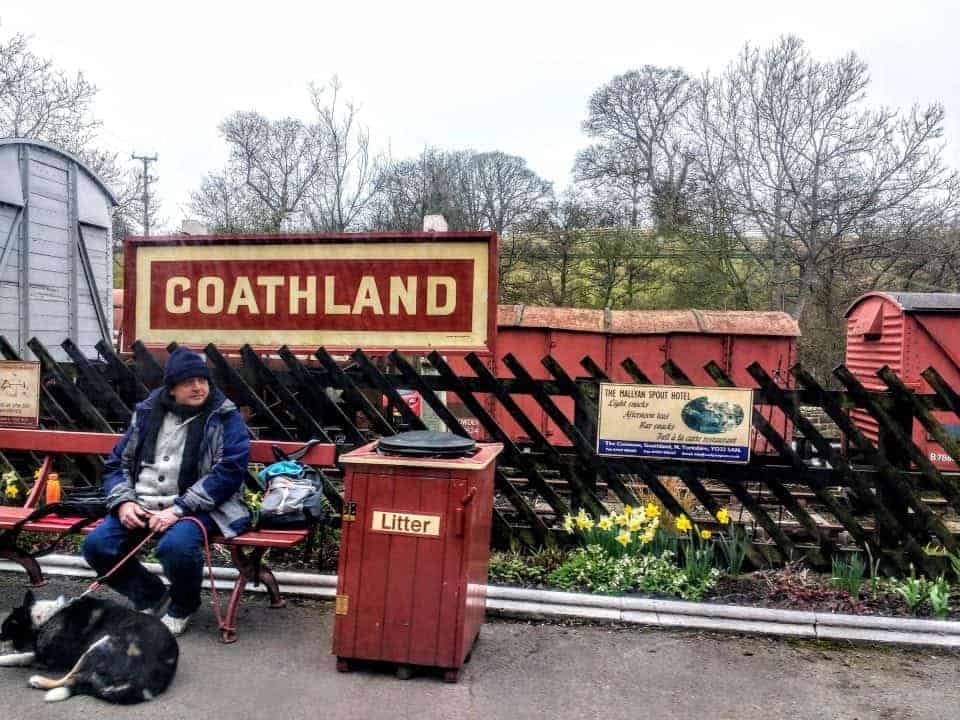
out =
column 414, row 551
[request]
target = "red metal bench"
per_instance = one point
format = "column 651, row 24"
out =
column 246, row 550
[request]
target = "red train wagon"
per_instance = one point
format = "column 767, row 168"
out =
column 909, row 332
column 691, row 338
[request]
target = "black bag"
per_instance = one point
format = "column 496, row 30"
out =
column 85, row 502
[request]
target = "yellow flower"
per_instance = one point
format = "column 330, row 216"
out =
column 622, row 520
column 568, row 524
column 705, row 534
column 635, row 525
column 584, row 522
column 623, row 538
column 652, row 510
column 683, row 523
column 640, row 514
column 648, row 535
column 627, row 510
column 605, row 523
column 723, row 517
column 12, row 491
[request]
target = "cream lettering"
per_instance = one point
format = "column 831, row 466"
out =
column 243, row 296
column 309, row 294
column 329, row 295
column 204, row 303
column 449, row 285
column 271, row 295
column 271, row 283
column 405, row 295
column 175, row 306
column 367, row 297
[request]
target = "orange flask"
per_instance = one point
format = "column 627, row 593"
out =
column 53, row 488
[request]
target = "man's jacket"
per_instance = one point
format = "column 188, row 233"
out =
column 224, row 451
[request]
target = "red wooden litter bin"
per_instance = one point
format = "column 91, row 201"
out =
column 414, row 551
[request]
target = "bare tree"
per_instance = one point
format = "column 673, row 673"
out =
column 349, row 171
column 226, row 204
column 555, row 249
column 38, row 100
column 642, row 150
column 413, row 187
column 474, row 191
column 509, row 192
column 280, row 160
column 809, row 167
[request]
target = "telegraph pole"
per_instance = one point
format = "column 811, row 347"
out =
column 146, row 160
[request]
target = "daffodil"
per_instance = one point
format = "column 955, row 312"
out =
column 648, row 535
column 640, row 514
column 568, row 524
column 723, row 517
column 623, row 538
column 584, row 522
column 605, row 523
column 652, row 510
column 628, row 510
column 635, row 525
column 683, row 523
column 622, row 520
column 12, row 491
column 705, row 534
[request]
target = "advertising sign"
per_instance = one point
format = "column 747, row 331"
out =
column 408, row 291
column 19, row 394
column 675, row 422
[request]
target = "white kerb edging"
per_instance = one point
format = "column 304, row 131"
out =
column 667, row 614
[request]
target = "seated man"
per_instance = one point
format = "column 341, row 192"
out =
column 185, row 454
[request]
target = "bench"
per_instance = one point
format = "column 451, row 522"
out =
column 246, row 550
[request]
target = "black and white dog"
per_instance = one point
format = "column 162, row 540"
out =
column 107, row 650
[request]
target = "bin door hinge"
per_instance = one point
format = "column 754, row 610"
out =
column 349, row 512
column 342, row 605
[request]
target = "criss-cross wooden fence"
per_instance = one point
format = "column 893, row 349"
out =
column 887, row 497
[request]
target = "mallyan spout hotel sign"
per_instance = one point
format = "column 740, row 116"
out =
column 413, row 291
column 681, row 422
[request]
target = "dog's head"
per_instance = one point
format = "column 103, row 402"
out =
column 17, row 629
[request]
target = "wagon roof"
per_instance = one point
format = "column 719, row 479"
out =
column 61, row 151
column 914, row 302
column 649, row 322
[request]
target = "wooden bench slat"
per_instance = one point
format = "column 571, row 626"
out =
column 10, row 516
column 60, row 441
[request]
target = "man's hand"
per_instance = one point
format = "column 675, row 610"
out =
column 132, row 516
column 161, row 521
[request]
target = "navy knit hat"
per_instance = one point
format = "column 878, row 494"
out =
column 182, row 365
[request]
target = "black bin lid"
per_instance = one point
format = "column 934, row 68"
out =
column 426, row 443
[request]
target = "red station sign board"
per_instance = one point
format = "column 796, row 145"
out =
column 414, row 291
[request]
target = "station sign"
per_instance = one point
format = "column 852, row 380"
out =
column 675, row 422
column 19, row 394
column 382, row 291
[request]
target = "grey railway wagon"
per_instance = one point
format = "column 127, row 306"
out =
column 56, row 269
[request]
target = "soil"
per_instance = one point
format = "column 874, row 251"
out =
column 793, row 588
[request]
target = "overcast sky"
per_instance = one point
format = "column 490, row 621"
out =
column 512, row 76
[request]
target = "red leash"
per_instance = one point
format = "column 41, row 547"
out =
column 221, row 623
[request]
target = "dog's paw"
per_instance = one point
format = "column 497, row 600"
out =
column 57, row 694
column 38, row 681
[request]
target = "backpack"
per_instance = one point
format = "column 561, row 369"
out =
column 292, row 493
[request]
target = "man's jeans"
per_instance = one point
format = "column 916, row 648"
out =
column 179, row 550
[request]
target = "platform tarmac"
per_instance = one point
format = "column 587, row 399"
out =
column 281, row 667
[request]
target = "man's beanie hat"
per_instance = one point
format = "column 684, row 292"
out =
column 182, row 365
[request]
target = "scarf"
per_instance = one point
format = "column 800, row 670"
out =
column 189, row 464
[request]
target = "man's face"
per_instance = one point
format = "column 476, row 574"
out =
column 192, row 392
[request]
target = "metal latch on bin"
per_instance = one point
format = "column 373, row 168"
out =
column 342, row 605
column 349, row 512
